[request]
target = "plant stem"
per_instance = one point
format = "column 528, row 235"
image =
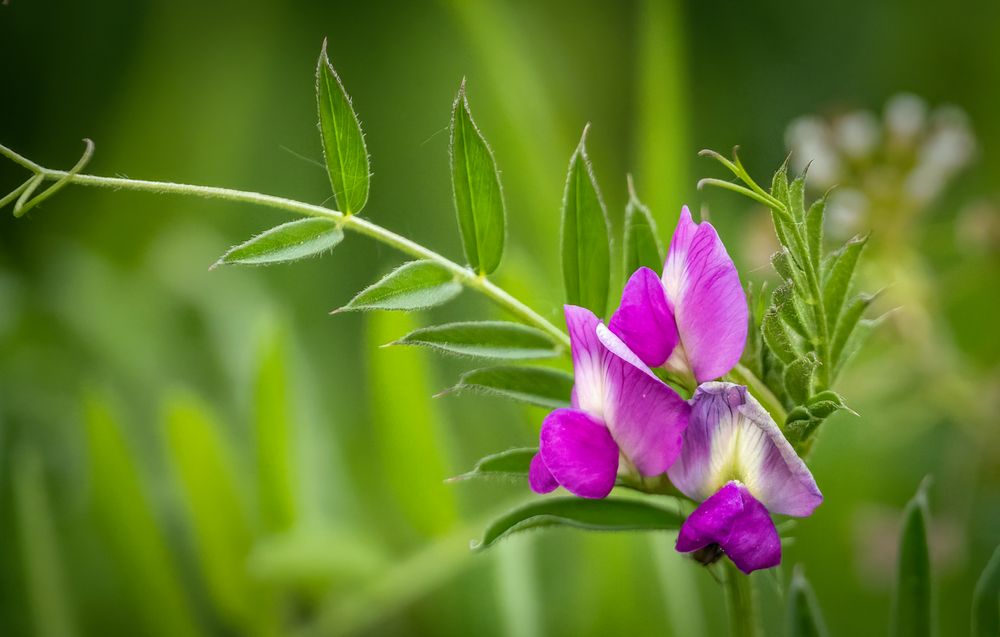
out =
column 740, row 602
column 362, row 226
column 760, row 391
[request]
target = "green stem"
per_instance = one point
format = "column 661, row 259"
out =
column 743, row 621
column 743, row 376
column 362, row 226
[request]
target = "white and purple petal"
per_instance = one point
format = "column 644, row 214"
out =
column 709, row 306
column 578, row 452
column 644, row 321
column 733, row 519
column 731, row 437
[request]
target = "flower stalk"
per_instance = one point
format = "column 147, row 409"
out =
column 740, row 603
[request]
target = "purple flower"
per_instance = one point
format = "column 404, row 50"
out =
column 737, row 463
column 622, row 417
column 693, row 320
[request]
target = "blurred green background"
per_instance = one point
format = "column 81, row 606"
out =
column 195, row 453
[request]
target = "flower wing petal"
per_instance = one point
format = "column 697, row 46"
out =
column 540, row 479
column 703, row 289
column 643, row 320
column 579, row 453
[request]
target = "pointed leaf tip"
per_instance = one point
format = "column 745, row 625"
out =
column 343, row 140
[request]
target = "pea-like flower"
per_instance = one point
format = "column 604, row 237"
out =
column 693, row 320
column 623, row 418
column 737, row 463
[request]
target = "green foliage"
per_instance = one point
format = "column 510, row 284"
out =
column 475, row 182
column 912, row 603
column 51, row 612
column 512, row 464
column 501, row 340
column 808, row 329
column 803, row 618
column 986, row 600
column 642, row 245
column 609, row 514
column 343, row 142
column 412, row 286
column 586, row 247
column 539, row 386
column 288, row 242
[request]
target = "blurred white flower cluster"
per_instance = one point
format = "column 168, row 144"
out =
column 884, row 168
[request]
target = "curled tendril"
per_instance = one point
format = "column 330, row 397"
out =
column 22, row 195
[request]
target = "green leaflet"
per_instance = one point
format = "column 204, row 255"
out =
column 837, row 279
column 849, row 319
column 776, row 336
column 796, row 198
column 787, row 302
column 484, row 339
column 343, row 142
column 986, row 600
column 288, row 242
column 912, row 603
column 799, row 378
column 803, row 618
column 412, row 286
column 642, row 241
column 540, row 386
column 609, row 514
column 475, row 183
column 814, row 230
column 206, row 473
column 509, row 465
column 586, row 249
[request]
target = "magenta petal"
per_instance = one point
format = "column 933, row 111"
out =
column 643, row 320
column 709, row 305
column 738, row 523
column 646, row 417
column 730, row 436
column 588, row 359
column 579, row 452
column 539, row 478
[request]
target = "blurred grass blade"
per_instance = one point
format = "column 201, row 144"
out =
column 986, row 600
column 510, row 465
column 141, row 553
column 912, row 605
column 532, row 385
column 204, row 468
column 475, row 183
column 343, row 142
column 609, row 514
column 273, row 444
column 586, row 249
column 642, row 241
column 412, row 286
column 313, row 559
column 804, row 618
column 51, row 612
column 409, row 429
column 288, row 242
column 484, row 339
column 837, row 278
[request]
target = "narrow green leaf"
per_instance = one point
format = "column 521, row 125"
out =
column 814, row 231
column 586, row 250
column 781, row 261
column 44, row 577
column 799, row 378
column 849, row 319
column 804, row 618
column 209, row 484
column 475, row 182
column 288, row 242
column 533, row 385
column 609, row 514
column 412, row 286
column 343, row 142
column 787, row 304
column 986, row 600
column 796, row 199
column 825, row 403
column 912, row 605
column 779, row 183
column 509, row 465
column 862, row 332
column 273, row 434
column 837, row 279
column 776, row 336
column 484, row 339
column 642, row 241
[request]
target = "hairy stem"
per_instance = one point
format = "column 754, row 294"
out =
column 362, row 226
column 743, row 621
